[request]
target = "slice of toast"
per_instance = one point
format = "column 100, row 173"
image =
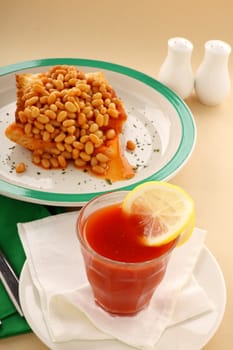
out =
column 65, row 115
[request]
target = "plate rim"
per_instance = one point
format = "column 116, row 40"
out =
column 209, row 335
column 180, row 157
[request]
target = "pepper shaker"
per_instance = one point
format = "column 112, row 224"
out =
column 212, row 81
column 176, row 71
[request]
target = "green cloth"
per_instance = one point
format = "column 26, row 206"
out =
column 11, row 212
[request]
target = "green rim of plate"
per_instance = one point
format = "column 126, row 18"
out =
column 182, row 154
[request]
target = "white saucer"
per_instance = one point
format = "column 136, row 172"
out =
column 193, row 334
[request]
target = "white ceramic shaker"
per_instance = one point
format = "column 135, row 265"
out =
column 176, row 71
column 212, row 81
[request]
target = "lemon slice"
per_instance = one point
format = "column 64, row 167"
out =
column 166, row 211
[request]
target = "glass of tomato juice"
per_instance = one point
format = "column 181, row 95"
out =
column 123, row 272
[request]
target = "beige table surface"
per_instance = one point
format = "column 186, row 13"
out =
column 135, row 33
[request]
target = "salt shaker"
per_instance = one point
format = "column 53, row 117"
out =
column 212, row 81
column 176, row 71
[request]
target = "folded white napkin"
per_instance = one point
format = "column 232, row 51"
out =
column 57, row 269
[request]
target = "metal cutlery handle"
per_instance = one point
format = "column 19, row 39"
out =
column 10, row 282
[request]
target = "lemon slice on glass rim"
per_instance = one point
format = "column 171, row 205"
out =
column 166, row 212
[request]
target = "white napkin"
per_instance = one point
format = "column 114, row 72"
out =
column 57, row 270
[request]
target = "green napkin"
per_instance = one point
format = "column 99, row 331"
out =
column 11, row 212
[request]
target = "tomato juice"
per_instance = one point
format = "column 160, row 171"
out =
column 123, row 272
column 119, row 236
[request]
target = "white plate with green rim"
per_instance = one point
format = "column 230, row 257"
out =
column 159, row 122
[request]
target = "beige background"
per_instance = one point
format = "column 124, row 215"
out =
column 135, row 33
